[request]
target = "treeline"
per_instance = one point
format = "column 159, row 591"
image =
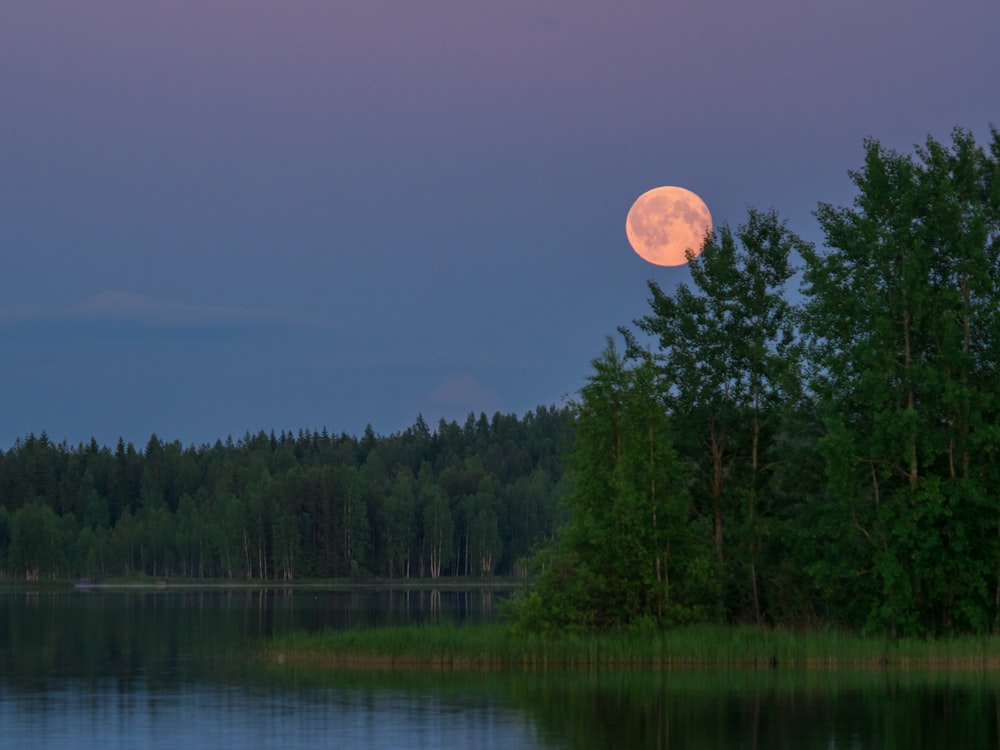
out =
column 830, row 457
column 468, row 500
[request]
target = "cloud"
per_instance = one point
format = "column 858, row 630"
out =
column 136, row 309
column 460, row 394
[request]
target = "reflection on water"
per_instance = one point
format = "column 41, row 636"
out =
column 180, row 669
column 766, row 709
column 73, row 715
column 188, row 635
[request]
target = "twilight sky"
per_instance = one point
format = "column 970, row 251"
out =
column 228, row 215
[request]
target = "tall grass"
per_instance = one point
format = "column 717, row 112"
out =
column 494, row 646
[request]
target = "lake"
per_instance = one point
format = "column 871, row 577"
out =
column 179, row 668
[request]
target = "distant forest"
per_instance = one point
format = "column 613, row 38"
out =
column 469, row 500
column 830, row 459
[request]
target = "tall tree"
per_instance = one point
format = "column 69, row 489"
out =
column 37, row 545
column 397, row 523
column 904, row 313
column 615, row 562
column 438, row 527
column 728, row 364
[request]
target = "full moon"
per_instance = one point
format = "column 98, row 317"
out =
column 665, row 222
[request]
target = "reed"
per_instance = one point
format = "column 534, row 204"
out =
column 494, row 646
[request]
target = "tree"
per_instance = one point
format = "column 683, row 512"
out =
column 531, row 520
column 903, row 313
column 629, row 538
column 728, row 365
column 286, row 540
column 259, row 504
column 353, row 522
column 396, row 522
column 36, row 543
column 157, row 535
column 484, row 542
column 438, row 527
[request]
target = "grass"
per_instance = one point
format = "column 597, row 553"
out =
column 493, row 646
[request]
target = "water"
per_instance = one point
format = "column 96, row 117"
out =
column 173, row 669
column 106, row 715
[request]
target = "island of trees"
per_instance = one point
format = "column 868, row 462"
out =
column 746, row 453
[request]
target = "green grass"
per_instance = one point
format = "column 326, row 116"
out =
column 493, row 646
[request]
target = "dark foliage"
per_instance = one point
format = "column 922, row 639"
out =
column 469, row 500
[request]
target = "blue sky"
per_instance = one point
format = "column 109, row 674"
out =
column 219, row 217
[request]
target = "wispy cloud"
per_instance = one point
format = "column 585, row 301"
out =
column 136, row 309
column 464, row 393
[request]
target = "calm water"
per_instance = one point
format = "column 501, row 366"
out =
column 172, row 669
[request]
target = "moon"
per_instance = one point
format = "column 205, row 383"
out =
column 665, row 222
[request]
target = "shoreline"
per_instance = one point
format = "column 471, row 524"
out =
column 451, row 584
column 450, row 647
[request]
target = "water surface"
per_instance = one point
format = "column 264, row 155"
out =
column 180, row 669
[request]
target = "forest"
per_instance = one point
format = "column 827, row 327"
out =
column 468, row 500
column 802, row 437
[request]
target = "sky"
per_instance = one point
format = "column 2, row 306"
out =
column 226, row 216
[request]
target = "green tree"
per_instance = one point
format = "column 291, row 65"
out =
column 629, row 538
column 125, row 545
column 438, row 528
column 397, row 523
column 484, row 540
column 36, row 542
column 235, row 540
column 531, row 517
column 94, row 551
column 353, row 522
column 259, row 504
column 904, row 313
column 728, row 362
column 155, row 525
column 286, row 540
column 188, row 537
